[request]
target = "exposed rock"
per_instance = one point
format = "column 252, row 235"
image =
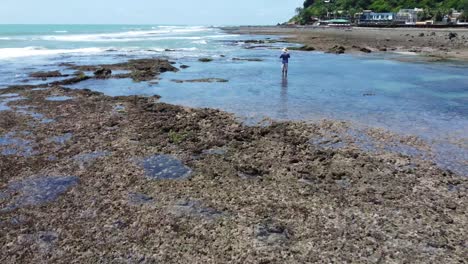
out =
column 45, row 75
column 194, row 208
column 73, row 80
column 139, row 198
column 205, row 59
column 365, row 50
column 337, row 49
column 183, row 66
column 452, row 35
column 303, row 48
column 292, row 194
column 253, row 41
column 103, row 73
column 271, row 234
column 140, row 69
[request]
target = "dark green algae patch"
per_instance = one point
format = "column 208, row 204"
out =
column 272, row 194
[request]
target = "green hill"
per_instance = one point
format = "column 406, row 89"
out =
column 319, row 8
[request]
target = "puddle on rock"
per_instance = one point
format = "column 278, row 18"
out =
column 119, row 108
column 39, row 89
column 37, row 190
column 9, row 95
column 5, row 100
column 87, row 159
column 61, row 139
column 59, row 98
column 139, row 198
column 164, row 167
column 11, row 145
column 332, row 143
column 34, row 115
column 214, row 151
column 256, row 121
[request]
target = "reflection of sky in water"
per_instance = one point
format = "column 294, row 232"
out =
column 409, row 98
column 58, row 98
column 431, row 102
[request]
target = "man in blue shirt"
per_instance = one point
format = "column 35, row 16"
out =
column 285, row 60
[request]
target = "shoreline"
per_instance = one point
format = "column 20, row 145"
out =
column 286, row 192
column 430, row 44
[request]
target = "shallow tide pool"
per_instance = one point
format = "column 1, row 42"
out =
column 429, row 100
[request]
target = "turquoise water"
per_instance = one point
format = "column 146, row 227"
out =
column 427, row 100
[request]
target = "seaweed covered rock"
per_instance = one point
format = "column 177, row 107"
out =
column 303, row 48
column 45, row 74
column 205, row 59
column 337, row 50
column 140, row 69
column 103, row 73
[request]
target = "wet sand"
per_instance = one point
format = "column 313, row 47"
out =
column 93, row 178
column 433, row 44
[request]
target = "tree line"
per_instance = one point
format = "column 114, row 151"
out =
column 433, row 9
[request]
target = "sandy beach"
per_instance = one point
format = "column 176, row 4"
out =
column 132, row 180
column 432, row 44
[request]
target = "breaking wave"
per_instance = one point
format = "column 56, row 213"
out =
column 7, row 53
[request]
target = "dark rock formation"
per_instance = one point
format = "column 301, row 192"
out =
column 303, row 48
column 365, row 50
column 337, row 49
column 140, row 69
column 103, row 73
column 205, row 59
column 452, row 35
column 45, row 75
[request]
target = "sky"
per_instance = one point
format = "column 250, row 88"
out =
column 173, row 12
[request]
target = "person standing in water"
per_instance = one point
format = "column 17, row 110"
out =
column 285, row 60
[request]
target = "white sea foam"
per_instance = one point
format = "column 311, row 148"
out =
column 203, row 42
column 223, row 36
column 137, row 35
column 9, row 53
column 189, row 49
column 61, row 31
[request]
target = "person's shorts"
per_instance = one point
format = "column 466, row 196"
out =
column 285, row 66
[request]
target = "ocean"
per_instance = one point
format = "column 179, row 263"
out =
column 426, row 100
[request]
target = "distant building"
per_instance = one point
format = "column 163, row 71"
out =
column 452, row 18
column 408, row 16
column 373, row 18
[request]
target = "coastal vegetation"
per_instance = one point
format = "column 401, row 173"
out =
column 432, row 9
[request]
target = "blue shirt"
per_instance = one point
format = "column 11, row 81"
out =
column 285, row 57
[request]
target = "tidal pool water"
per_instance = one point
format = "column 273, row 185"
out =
column 164, row 167
column 428, row 100
column 37, row 190
column 58, row 98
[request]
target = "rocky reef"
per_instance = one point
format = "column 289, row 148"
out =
column 154, row 182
